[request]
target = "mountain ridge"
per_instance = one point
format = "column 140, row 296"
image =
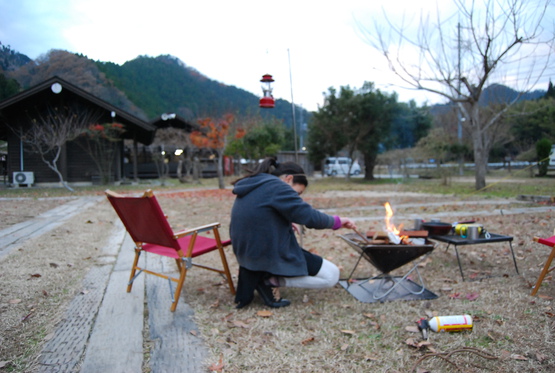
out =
column 150, row 86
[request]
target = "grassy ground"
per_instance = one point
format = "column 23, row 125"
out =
column 500, row 183
column 155, row 184
column 325, row 330
column 329, row 330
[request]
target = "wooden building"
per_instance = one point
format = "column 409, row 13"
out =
column 76, row 165
column 152, row 158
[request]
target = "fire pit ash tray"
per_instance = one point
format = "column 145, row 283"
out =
column 386, row 258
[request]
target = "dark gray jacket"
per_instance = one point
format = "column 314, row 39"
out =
column 261, row 225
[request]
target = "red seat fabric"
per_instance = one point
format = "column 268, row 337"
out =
column 551, row 243
column 203, row 245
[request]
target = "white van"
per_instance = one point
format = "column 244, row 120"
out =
column 340, row 166
column 552, row 157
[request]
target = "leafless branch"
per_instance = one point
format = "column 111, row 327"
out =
column 497, row 34
column 50, row 128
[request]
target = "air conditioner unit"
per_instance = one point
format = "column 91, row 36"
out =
column 21, row 177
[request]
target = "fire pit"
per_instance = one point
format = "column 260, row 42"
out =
column 387, row 257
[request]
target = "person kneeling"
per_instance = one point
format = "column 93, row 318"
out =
column 267, row 206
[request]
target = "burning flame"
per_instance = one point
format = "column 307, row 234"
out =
column 393, row 231
column 389, row 226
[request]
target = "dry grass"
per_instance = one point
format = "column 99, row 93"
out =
column 18, row 210
column 326, row 330
column 42, row 275
column 329, row 330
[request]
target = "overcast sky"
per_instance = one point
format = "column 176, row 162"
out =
column 233, row 42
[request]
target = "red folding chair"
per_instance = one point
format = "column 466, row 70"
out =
column 548, row 242
column 149, row 228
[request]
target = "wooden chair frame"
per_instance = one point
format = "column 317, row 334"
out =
column 182, row 246
column 548, row 242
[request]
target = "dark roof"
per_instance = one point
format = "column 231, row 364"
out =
column 173, row 120
column 42, row 93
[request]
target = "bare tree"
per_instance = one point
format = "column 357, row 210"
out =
column 180, row 139
column 51, row 129
column 495, row 41
column 100, row 141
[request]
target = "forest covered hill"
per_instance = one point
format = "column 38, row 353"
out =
column 145, row 86
column 150, row 86
column 165, row 84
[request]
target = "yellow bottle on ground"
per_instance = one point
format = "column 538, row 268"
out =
column 451, row 323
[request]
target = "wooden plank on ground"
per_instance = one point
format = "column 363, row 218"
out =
column 177, row 343
column 116, row 343
column 65, row 347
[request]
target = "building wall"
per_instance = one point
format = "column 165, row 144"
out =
column 289, row 156
column 27, row 161
column 75, row 164
column 81, row 166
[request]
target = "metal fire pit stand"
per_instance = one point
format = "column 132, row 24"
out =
column 385, row 286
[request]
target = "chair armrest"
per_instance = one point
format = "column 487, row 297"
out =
column 202, row 228
column 111, row 193
column 546, row 241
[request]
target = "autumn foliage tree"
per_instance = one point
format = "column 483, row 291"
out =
column 213, row 134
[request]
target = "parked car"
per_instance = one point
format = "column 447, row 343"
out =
column 552, row 158
column 340, row 166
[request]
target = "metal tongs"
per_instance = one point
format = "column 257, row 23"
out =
column 362, row 236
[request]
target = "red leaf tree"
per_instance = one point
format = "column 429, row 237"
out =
column 213, row 134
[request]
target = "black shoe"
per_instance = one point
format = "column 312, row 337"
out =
column 270, row 296
column 241, row 304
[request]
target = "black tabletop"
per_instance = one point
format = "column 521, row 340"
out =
column 458, row 240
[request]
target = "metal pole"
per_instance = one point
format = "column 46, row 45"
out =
column 21, row 155
column 459, row 116
column 293, row 109
column 301, row 128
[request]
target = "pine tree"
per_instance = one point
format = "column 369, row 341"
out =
column 550, row 91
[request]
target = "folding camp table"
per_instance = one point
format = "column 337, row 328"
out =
column 455, row 240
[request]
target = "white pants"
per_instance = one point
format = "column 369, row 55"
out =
column 326, row 277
